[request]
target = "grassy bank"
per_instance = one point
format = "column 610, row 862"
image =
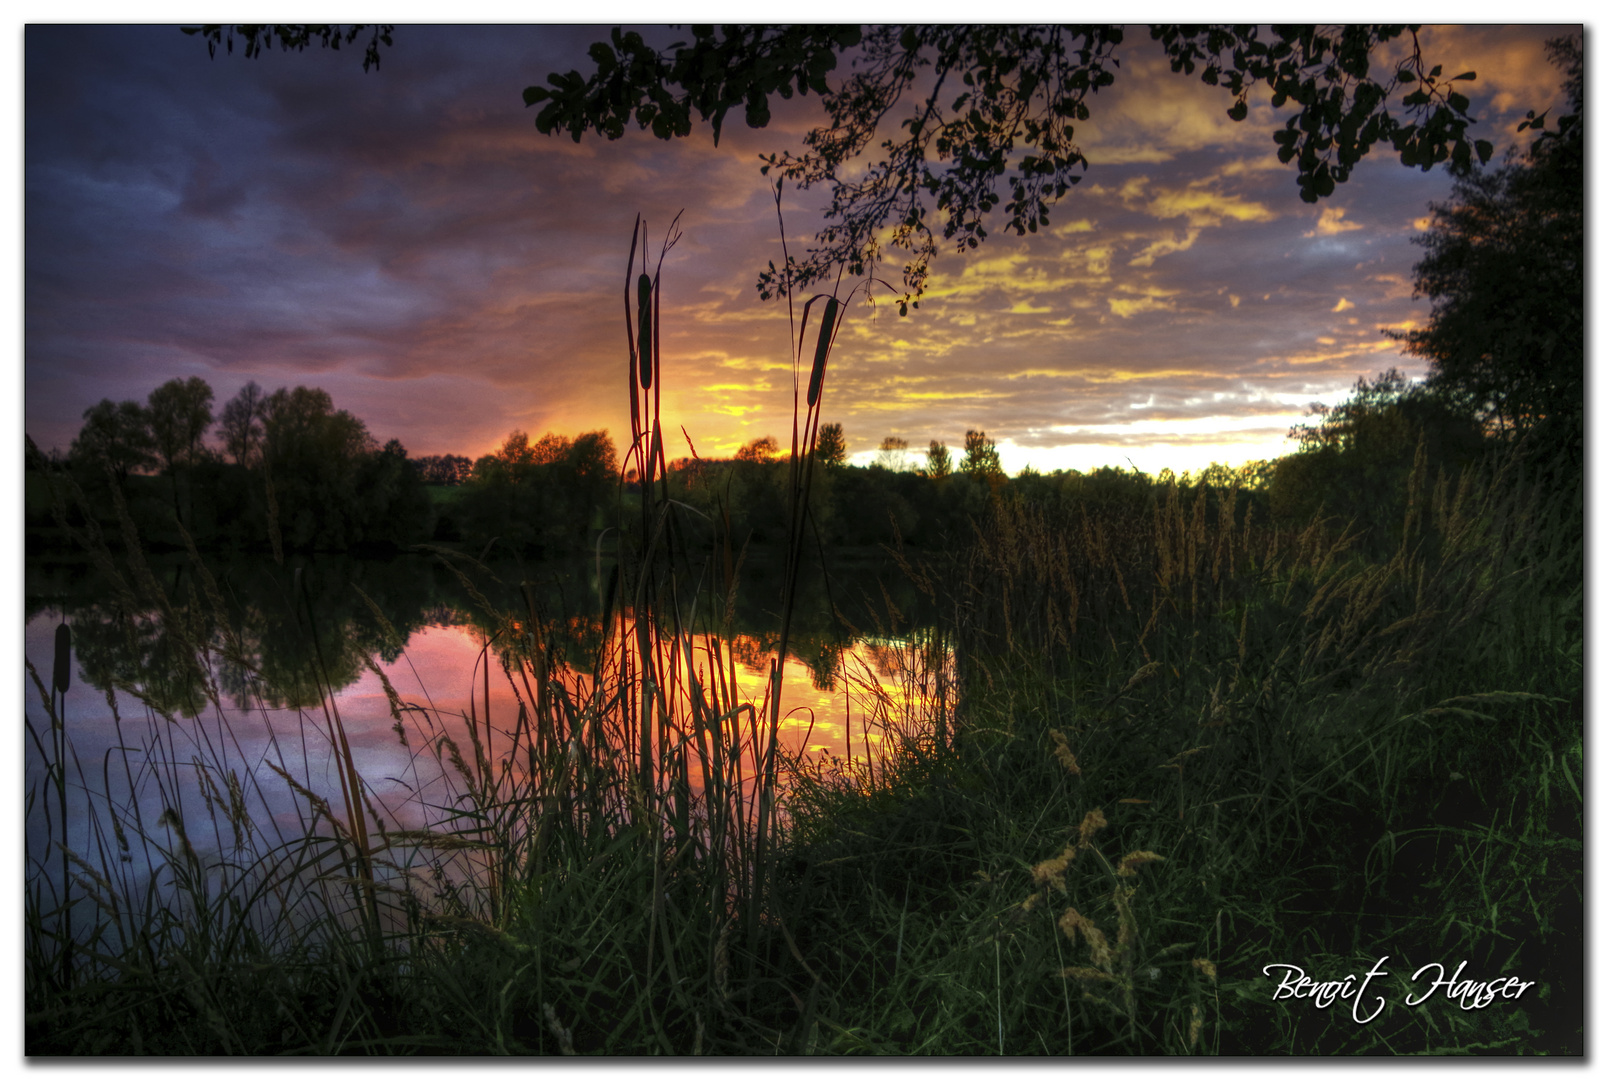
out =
column 1191, row 747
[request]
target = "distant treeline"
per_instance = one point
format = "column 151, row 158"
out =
column 290, row 469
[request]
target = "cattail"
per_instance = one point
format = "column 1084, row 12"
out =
column 644, row 329
column 821, row 350
column 62, row 677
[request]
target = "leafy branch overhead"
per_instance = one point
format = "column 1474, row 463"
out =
column 969, row 117
column 296, row 38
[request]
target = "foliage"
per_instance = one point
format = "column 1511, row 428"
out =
column 939, row 463
column 114, row 438
column 981, row 457
column 303, row 475
column 240, row 426
column 448, row 470
column 540, row 497
column 180, row 412
column 1353, row 462
column 1505, row 270
column 893, row 453
column 1011, row 124
column 759, row 450
column 291, row 38
column 832, row 449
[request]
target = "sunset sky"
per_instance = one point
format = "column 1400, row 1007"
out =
column 405, row 239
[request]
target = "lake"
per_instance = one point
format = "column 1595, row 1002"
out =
column 166, row 728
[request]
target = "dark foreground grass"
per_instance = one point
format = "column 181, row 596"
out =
column 1189, row 749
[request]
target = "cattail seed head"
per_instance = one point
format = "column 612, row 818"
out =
column 822, row 349
column 644, row 330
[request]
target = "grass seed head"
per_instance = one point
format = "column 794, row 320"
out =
column 1205, row 966
column 1133, row 860
column 1091, row 824
column 1062, row 751
column 1073, row 922
column 1051, row 872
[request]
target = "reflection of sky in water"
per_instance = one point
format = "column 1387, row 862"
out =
column 437, row 672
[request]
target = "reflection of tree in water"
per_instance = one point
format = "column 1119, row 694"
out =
column 116, row 649
column 305, row 628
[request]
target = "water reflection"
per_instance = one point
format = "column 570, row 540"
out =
column 215, row 701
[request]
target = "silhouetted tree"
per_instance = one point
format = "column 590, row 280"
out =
column 449, row 470
column 1353, row 462
column 831, row 448
column 981, row 457
column 539, row 497
column 759, row 450
column 1505, row 271
column 892, row 454
column 939, row 463
column 115, row 438
column 241, row 424
column 180, row 411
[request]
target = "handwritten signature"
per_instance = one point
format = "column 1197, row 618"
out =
column 1472, row 994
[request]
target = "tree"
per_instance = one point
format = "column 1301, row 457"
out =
column 180, row 411
column 759, row 450
column 540, row 497
column 1354, row 460
column 115, row 438
column 939, row 463
column 1505, row 271
column 1010, row 125
column 241, row 424
column 449, row 470
column 892, row 453
column 981, row 458
column 831, row 449
column 313, row 454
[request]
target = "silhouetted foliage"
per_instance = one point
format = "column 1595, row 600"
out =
column 1354, row 461
column 115, row 437
column 1505, row 271
column 448, row 470
column 831, row 448
column 292, row 38
column 295, row 465
column 1011, row 124
column 240, row 426
column 759, row 450
column 981, row 457
column 539, row 498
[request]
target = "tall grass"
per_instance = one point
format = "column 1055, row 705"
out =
column 1334, row 759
